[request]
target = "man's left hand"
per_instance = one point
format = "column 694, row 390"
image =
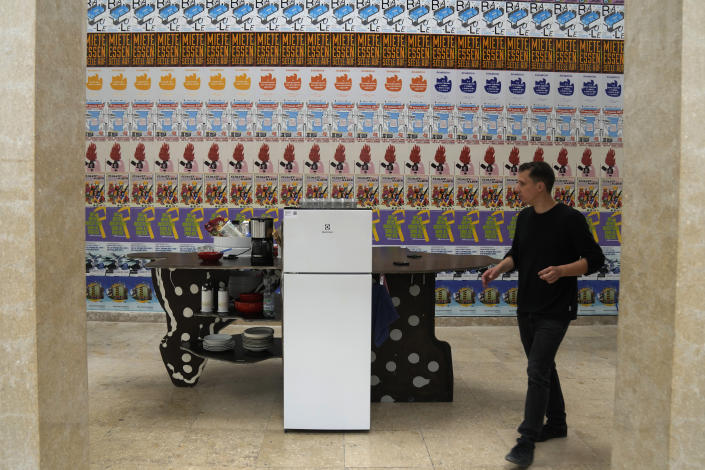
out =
column 551, row 274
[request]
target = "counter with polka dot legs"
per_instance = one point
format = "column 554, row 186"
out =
column 179, row 293
column 412, row 365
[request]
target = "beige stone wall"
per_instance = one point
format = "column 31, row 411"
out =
column 43, row 410
column 688, row 382
column 59, row 187
column 647, row 304
column 19, row 420
column 659, row 418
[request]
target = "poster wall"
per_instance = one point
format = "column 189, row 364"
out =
column 421, row 111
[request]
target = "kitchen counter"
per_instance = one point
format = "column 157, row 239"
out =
column 412, row 365
column 385, row 259
column 192, row 261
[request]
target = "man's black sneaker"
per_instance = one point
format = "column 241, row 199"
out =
column 521, row 454
column 552, row 432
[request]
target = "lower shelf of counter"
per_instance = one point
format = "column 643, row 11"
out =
column 237, row 316
column 238, row 354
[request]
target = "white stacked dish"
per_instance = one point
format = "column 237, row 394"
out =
column 218, row 343
column 258, row 338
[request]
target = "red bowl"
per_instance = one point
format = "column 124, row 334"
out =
column 250, row 297
column 210, row 256
column 248, row 308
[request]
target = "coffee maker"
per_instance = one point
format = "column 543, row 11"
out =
column 261, row 231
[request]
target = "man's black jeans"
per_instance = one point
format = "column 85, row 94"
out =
column 541, row 338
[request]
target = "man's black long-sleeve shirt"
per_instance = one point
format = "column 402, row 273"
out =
column 553, row 238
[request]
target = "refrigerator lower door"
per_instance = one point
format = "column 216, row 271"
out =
column 326, row 334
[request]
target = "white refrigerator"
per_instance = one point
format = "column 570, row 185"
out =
column 327, row 298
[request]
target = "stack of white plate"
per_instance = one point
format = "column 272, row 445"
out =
column 218, row 343
column 259, row 338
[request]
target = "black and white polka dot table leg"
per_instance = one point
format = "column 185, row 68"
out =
column 179, row 293
column 412, row 365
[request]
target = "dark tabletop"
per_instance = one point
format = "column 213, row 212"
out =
column 192, row 261
column 384, row 258
column 383, row 261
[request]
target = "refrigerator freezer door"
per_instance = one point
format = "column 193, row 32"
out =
column 327, row 331
column 327, row 241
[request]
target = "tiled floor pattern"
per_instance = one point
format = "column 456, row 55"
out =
column 233, row 417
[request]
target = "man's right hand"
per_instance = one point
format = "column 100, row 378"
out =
column 490, row 275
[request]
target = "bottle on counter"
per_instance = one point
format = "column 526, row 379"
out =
column 268, row 296
column 207, row 297
column 223, row 298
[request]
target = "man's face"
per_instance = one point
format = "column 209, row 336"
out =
column 527, row 189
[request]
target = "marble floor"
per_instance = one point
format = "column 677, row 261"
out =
column 233, row 418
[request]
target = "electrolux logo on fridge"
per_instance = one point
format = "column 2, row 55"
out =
column 327, row 229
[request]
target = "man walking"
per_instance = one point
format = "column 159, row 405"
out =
column 552, row 246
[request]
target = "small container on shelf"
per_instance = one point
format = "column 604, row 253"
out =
column 268, row 296
column 223, row 299
column 207, row 297
column 250, row 297
column 248, row 309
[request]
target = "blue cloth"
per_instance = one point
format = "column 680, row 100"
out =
column 383, row 313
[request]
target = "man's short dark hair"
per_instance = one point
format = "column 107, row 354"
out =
column 540, row 171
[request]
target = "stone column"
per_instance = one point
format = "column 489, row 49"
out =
column 660, row 386
column 43, row 384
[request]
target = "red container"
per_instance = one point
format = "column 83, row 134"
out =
column 210, row 256
column 248, row 308
column 251, row 297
